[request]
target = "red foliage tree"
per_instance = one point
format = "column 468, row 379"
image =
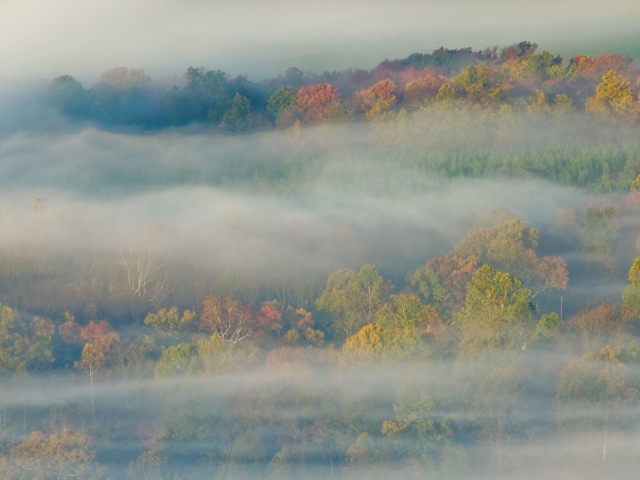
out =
column 384, row 90
column 423, row 89
column 595, row 68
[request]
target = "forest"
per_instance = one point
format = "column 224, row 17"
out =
column 429, row 269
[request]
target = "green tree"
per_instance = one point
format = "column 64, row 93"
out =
column 205, row 97
column 236, row 116
column 407, row 313
column 281, row 101
column 631, row 295
column 405, row 324
column 177, row 360
column 69, row 96
column 353, row 298
column 25, row 343
column 446, row 93
column 498, row 313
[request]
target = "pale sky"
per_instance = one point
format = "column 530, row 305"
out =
column 44, row 38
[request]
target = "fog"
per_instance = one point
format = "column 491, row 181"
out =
column 205, row 195
column 505, row 429
column 269, row 215
column 41, row 40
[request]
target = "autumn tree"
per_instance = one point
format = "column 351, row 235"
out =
column 123, row 77
column 614, row 96
column 301, row 328
column 585, row 67
column 598, row 326
column 442, row 282
column 364, row 347
column 533, row 68
column 538, row 103
column 510, row 246
column 318, row 102
column 422, row 91
column 376, row 102
column 227, row 317
column 401, row 330
column 170, row 322
column 59, row 455
column 99, row 352
column 522, row 50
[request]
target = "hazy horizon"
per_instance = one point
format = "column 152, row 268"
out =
column 264, row 39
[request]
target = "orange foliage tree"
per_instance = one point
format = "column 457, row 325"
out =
column 376, row 101
column 423, row 90
column 99, row 353
column 317, row 102
column 59, row 455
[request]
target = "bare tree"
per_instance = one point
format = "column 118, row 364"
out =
column 227, row 317
column 145, row 262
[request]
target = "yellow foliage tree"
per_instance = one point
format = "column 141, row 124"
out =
column 614, row 96
column 63, row 455
column 365, row 346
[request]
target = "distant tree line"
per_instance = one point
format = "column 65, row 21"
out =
column 515, row 78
